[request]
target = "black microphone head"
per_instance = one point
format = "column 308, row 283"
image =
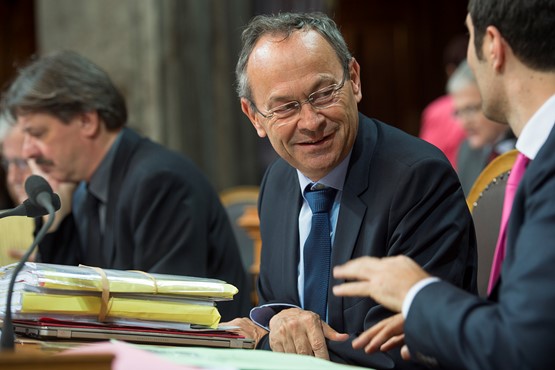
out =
column 34, row 185
column 33, row 210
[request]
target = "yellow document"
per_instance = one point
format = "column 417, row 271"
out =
column 157, row 310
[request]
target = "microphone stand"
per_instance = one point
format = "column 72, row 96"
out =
column 7, row 340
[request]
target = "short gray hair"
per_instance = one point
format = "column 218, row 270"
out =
column 285, row 24
column 461, row 77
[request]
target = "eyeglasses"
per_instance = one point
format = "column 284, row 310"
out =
column 319, row 99
column 20, row 163
column 468, row 111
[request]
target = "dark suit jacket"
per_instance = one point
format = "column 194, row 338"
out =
column 162, row 216
column 514, row 328
column 401, row 196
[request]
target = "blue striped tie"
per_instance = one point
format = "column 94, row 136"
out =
column 317, row 251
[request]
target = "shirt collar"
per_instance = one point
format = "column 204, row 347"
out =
column 100, row 180
column 335, row 179
column 535, row 132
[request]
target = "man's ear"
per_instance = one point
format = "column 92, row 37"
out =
column 354, row 75
column 90, row 123
column 250, row 112
column 496, row 48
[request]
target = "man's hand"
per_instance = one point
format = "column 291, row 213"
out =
column 63, row 189
column 384, row 336
column 298, row 331
column 386, row 280
column 246, row 328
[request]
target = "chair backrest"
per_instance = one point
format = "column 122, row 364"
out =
column 16, row 236
column 235, row 201
column 240, row 203
column 485, row 201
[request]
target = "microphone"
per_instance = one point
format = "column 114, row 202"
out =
column 41, row 197
column 39, row 191
column 29, row 209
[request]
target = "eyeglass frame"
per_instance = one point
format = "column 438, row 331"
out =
column 19, row 163
column 309, row 99
column 467, row 111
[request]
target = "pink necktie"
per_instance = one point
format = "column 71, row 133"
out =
column 512, row 184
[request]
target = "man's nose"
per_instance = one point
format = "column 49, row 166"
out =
column 30, row 149
column 310, row 117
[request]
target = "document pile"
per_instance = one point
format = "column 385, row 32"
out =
column 94, row 295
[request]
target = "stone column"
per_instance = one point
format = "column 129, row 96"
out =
column 173, row 60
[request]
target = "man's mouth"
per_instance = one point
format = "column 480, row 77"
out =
column 317, row 141
column 43, row 162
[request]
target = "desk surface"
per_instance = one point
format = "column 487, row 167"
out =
column 29, row 358
column 33, row 355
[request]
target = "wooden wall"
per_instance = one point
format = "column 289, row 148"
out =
column 399, row 45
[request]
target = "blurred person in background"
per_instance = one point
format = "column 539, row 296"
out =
column 14, row 164
column 16, row 233
column 485, row 139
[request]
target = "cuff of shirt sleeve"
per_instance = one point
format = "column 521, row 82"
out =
column 414, row 291
column 262, row 315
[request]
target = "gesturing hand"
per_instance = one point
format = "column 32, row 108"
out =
column 386, row 280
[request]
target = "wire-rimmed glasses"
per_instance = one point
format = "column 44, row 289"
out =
column 319, row 99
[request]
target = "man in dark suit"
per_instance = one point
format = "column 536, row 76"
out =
column 153, row 210
column 511, row 53
column 395, row 194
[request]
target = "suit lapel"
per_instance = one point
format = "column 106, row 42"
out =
column 292, row 204
column 352, row 210
column 128, row 142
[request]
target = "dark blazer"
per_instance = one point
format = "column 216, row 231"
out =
column 514, row 328
column 162, row 216
column 401, row 196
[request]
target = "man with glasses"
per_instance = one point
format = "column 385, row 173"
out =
column 14, row 164
column 387, row 193
column 144, row 207
column 16, row 233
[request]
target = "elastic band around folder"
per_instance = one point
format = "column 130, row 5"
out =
column 105, row 286
column 148, row 276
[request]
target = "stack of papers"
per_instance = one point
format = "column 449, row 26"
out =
column 89, row 294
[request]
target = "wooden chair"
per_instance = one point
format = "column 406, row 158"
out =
column 16, row 236
column 485, row 201
column 240, row 203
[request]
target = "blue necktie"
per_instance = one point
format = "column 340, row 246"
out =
column 317, row 251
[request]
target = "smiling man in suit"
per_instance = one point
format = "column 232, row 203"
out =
column 389, row 193
column 512, row 54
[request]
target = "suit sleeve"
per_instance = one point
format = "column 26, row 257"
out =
column 431, row 223
column 181, row 228
column 460, row 330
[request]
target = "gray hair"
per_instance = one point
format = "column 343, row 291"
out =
column 5, row 126
column 285, row 24
column 461, row 78
column 65, row 84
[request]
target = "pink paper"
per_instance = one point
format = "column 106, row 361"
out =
column 128, row 357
